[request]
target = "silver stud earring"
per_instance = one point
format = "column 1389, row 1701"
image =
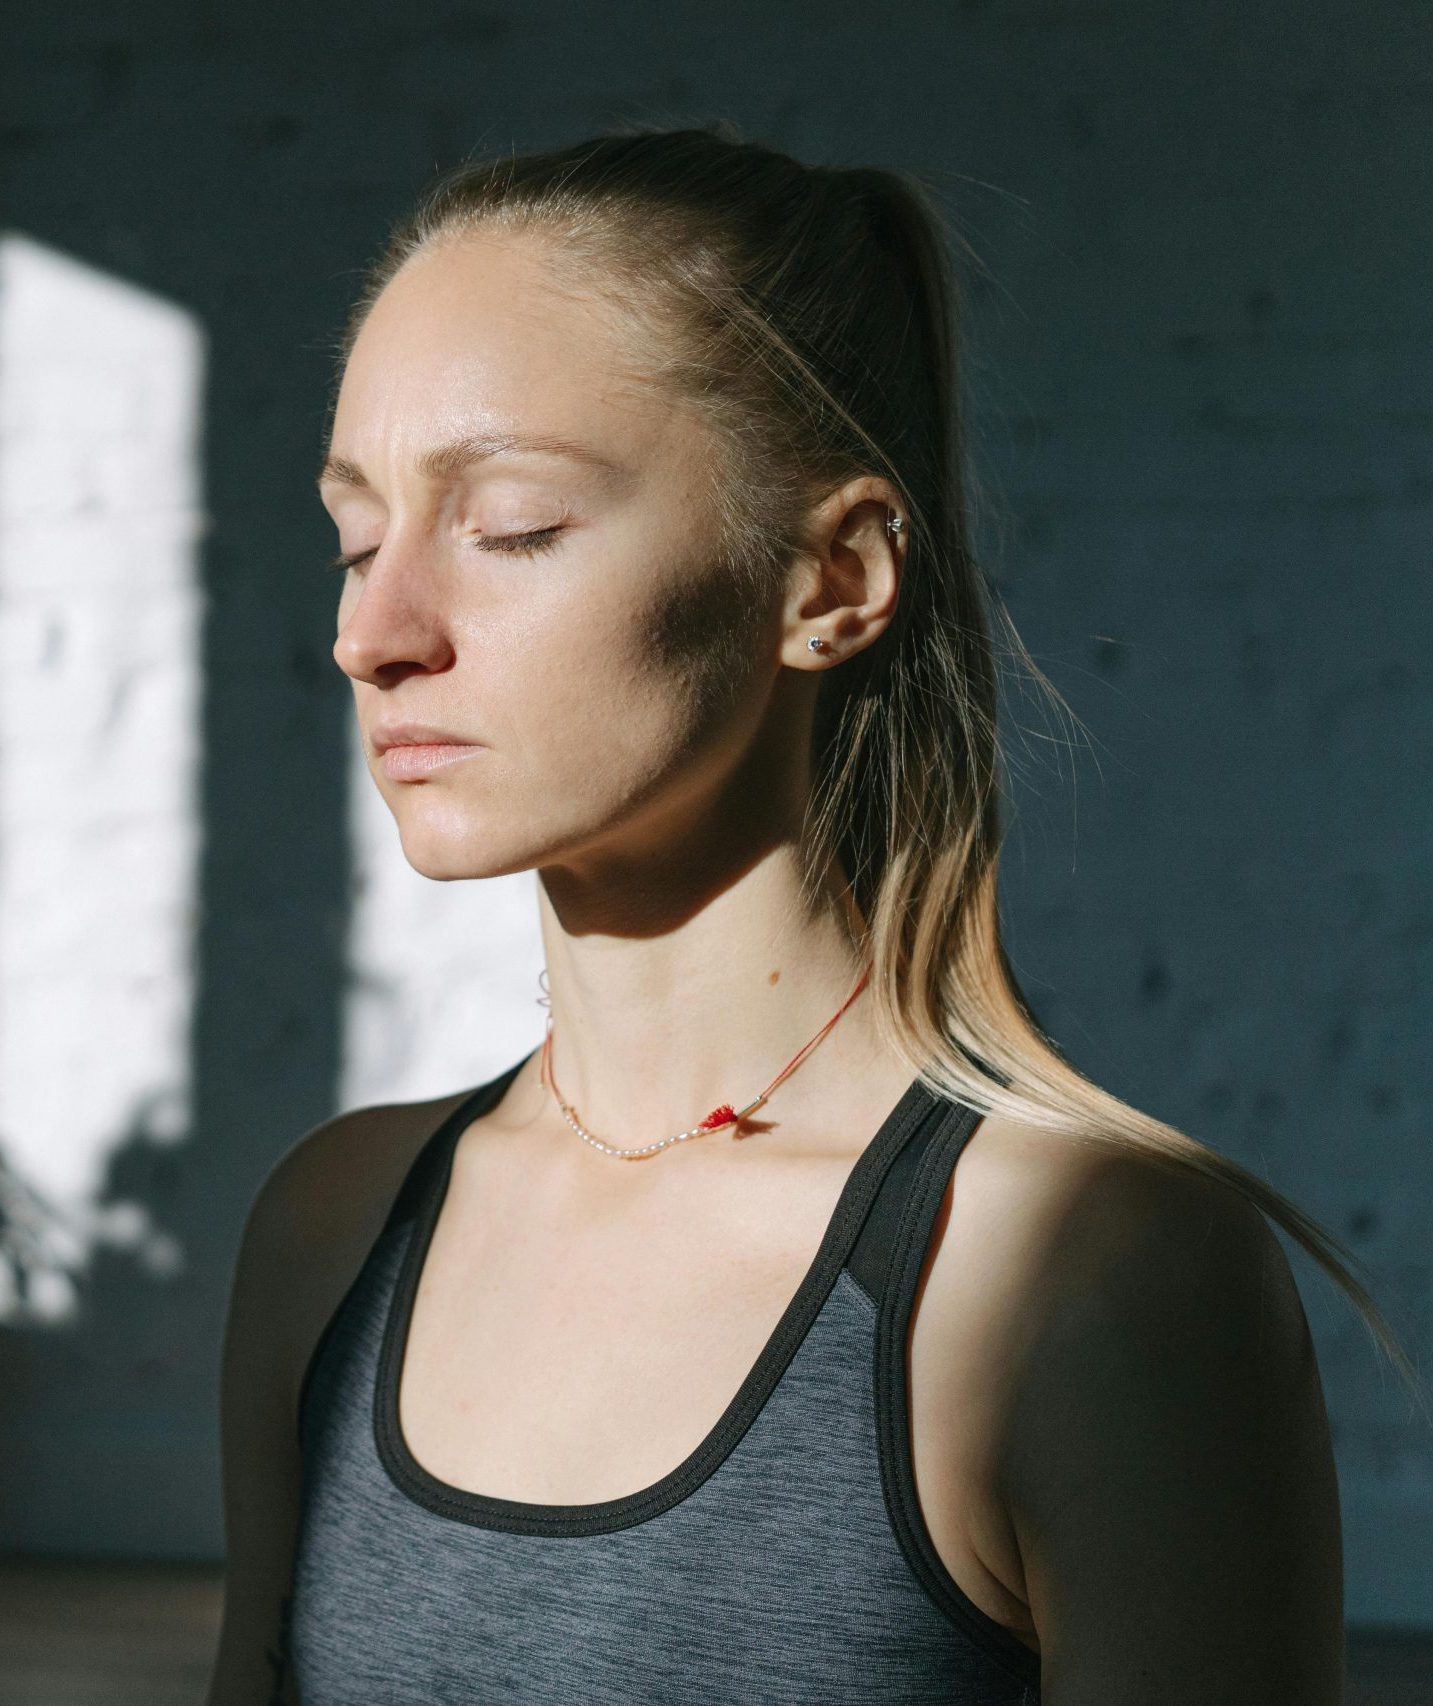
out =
column 895, row 526
column 815, row 643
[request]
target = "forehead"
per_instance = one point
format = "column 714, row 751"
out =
column 476, row 335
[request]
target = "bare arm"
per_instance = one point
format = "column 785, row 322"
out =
column 311, row 1224
column 260, row 1458
column 1169, row 1471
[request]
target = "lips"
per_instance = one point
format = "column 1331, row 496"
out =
column 414, row 762
column 387, row 735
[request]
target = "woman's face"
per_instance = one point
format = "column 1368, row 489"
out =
column 575, row 662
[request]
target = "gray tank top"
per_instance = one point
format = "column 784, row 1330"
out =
column 784, row 1561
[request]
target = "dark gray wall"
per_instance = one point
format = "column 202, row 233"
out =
column 1203, row 380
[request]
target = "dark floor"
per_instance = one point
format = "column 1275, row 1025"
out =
column 106, row 1635
column 128, row 1635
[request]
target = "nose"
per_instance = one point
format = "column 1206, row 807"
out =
column 398, row 621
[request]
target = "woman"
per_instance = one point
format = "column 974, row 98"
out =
column 680, row 1362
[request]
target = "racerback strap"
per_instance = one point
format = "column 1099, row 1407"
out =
column 909, row 1195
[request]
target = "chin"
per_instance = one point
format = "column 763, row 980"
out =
column 453, row 846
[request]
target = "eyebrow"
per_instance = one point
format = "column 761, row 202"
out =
column 447, row 461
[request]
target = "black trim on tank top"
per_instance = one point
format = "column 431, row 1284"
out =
column 892, row 1257
column 410, row 1195
column 916, row 1108
column 870, row 1256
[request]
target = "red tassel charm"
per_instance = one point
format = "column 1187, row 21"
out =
column 725, row 1115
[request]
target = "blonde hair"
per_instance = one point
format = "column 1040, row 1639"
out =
column 811, row 314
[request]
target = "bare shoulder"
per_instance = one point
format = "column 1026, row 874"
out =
column 1059, row 1215
column 363, row 1152
column 321, row 1205
column 1148, row 1424
column 1050, row 1247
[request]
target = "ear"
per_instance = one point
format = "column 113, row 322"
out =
column 845, row 583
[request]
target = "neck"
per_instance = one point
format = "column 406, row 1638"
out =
column 653, row 1029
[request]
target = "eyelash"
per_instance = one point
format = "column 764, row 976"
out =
column 510, row 544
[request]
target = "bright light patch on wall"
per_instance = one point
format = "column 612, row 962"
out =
column 101, row 390
column 442, row 976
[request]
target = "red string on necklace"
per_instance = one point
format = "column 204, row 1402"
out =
column 726, row 1114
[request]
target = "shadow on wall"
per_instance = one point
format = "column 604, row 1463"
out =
column 162, row 1010
column 209, row 939
column 100, row 514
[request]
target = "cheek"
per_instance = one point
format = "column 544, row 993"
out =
column 587, row 703
column 611, row 697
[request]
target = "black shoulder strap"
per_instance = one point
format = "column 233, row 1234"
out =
column 900, row 1260
column 929, row 1155
column 433, row 1156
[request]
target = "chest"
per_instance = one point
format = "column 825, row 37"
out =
column 566, row 1347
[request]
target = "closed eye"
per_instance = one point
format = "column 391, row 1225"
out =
column 516, row 544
